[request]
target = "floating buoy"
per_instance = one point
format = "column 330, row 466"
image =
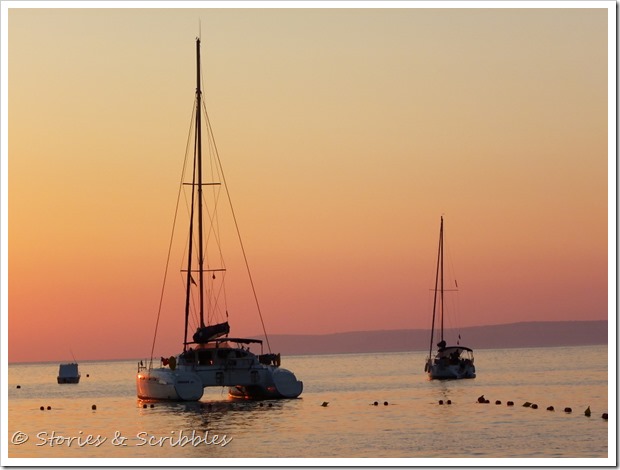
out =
column 587, row 412
column 19, row 386
column 568, row 410
column 260, row 405
column 376, row 403
column 94, row 407
column 449, row 402
column 441, row 402
column 87, row 375
column 42, row 408
column 152, row 406
column 144, row 406
column 325, row 403
column 481, row 399
column 510, row 403
column 498, row 402
column 49, row 407
column 604, row 416
column 550, row 408
column 534, row 406
column 527, row 404
column 385, row 403
column 270, row 405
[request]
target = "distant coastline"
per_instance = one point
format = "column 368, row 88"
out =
column 505, row 336
column 512, row 335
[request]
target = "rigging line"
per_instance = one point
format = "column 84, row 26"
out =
column 245, row 258
column 176, row 212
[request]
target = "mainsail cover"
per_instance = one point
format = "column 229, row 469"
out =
column 207, row 333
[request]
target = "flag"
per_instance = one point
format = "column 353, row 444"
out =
column 192, row 279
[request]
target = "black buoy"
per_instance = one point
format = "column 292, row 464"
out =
column 568, row 410
column 152, row 406
column 144, row 406
column 260, row 405
column 42, row 408
column 604, row 416
column 49, row 407
column 19, row 386
column 385, row 403
column 588, row 412
column 376, row 403
column 87, row 375
column 534, row 406
column 449, row 402
column 441, row 402
column 550, row 408
column 94, row 407
column 481, row 399
column 527, row 404
column 325, row 403
column 498, row 402
column 510, row 403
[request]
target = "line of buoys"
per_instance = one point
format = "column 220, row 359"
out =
column 42, row 408
column 534, row 406
column 448, row 402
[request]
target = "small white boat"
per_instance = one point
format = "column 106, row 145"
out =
column 211, row 358
column 448, row 362
column 68, row 374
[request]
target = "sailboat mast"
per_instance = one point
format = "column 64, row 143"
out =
column 441, row 255
column 439, row 265
column 199, row 169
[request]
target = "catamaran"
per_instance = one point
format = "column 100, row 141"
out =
column 211, row 358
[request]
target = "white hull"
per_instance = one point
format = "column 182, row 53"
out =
column 449, row 371
column 247, row 379
column 451, row 362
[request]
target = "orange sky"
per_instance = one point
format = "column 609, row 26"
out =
column 344, row 133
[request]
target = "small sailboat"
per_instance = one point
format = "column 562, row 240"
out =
column 211, row 358
column 448, row 362
column 68, row 373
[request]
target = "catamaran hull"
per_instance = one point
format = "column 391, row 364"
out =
column 167, row 384
column 188, row 385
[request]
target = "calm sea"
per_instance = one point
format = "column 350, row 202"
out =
column 413, row 425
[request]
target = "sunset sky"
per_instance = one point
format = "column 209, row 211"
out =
column 345, row 134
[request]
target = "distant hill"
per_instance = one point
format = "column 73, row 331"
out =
column 512, row 335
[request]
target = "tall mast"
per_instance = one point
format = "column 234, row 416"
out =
column 439, row 267
column 199, row 159
column 441, row 254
